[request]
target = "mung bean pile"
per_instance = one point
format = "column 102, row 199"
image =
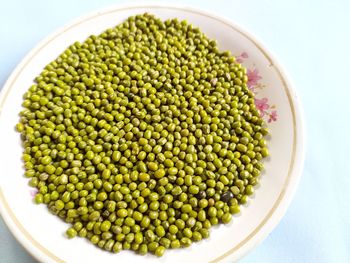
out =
column 143, row 137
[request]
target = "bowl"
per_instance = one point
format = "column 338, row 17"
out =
column 42, row 234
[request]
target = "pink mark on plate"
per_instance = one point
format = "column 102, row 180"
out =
column 262, row 106
column 272, row 116
column 253, row 78
column 33, row 192
column 244, row 55
column 240, row 58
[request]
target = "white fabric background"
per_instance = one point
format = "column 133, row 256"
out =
column 312, row 40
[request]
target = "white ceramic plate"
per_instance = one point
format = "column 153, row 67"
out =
column 42, row 233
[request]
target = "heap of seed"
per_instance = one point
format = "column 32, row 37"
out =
column 143, row 137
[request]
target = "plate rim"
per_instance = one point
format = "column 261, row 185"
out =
column 295, row 168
